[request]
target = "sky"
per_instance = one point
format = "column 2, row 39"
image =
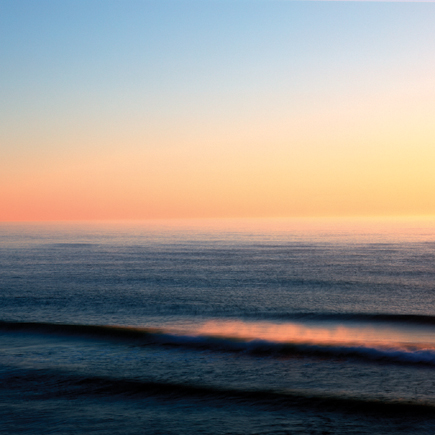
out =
column 216, row 108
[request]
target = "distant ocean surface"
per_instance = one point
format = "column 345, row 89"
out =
column 218, row 327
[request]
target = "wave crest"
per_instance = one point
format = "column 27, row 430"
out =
column 257, row 339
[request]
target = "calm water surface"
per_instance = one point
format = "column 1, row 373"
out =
column 218, row 327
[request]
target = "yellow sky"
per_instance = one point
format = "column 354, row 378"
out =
column 317, row 166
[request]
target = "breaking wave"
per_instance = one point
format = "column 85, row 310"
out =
column 256, row 339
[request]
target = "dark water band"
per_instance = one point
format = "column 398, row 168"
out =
column 406, row 319
column 58, row 384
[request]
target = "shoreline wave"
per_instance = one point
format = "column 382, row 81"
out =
column 371, row 352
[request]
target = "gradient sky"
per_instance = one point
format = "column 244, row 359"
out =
column 177, row 109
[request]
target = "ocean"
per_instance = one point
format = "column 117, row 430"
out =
column 218, row 327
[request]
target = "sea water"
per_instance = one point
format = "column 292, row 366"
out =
column 218, row 327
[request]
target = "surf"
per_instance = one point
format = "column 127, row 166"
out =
column 367, row 343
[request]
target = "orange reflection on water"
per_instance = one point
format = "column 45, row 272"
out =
column 298, row 333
